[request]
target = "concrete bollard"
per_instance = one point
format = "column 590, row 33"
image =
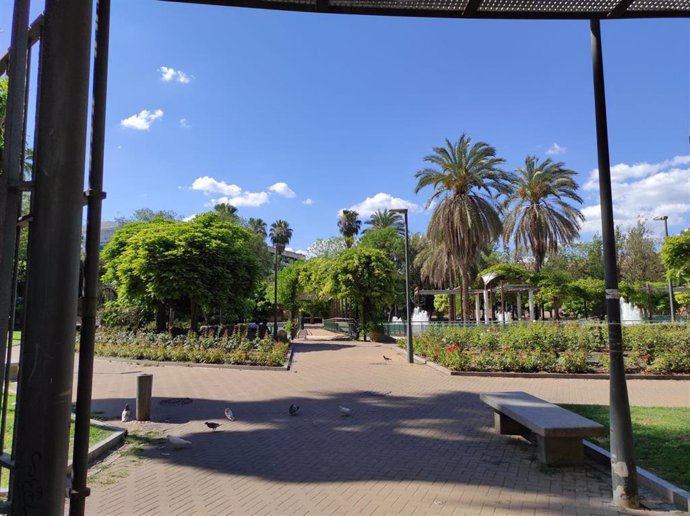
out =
column 144, row 391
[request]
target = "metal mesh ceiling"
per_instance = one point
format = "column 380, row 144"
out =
column 537, row 9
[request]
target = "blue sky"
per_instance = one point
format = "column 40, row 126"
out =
column 333, row 112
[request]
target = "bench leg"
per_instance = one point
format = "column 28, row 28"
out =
column 507, row 426
column 560, row 451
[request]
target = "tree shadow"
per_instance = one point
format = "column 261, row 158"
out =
column 306, row 347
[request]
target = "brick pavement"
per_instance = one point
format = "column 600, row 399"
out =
column 418, row 441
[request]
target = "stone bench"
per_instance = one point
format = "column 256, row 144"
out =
column 559, row 432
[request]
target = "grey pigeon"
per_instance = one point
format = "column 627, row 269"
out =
column 294, row 409
column 212, row 425
column 126, row 413
column 229, row 414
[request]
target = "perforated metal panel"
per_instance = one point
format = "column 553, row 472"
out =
column 537, row 9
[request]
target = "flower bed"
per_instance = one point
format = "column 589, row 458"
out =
column 569, row 347
column 207, row 348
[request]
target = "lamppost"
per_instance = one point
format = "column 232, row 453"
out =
column 279, row 248
column 410, row 349
column 670, row 282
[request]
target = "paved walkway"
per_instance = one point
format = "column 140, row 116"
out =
column 418, row 441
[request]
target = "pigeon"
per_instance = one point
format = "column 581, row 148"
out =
column 178, row 443
column 345, row 411
column 229, row 414
column 386, row 358
column 126, row 413
column 294, row 409
column 212, row 425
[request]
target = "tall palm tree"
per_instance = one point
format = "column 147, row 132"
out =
column 280, row 235
column 257, row 226
column 384, row 219
column 466, row 181
column 349, row 225
column 225, row 211
column 538, row 216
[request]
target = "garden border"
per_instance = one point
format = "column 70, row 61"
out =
column 167, row 363
column 512, row 374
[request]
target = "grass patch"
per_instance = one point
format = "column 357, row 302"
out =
column 96, row 435
column 16, row 338
column 661, row 438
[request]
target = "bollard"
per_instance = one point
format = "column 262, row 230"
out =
column 144, row 390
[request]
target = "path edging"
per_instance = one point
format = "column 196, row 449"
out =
column 667, row 490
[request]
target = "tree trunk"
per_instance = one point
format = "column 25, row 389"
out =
column 465, row 296
column 161, row 318
column 364, row 323
column 194, row 309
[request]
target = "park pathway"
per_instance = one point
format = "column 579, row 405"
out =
column 418, row 441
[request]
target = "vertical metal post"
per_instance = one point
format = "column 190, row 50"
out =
column 410, row 348
column 623, row 471
column 95, row 196
column 47, row 352
column 275, row 294
column 670, row 281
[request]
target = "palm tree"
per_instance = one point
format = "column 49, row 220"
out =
column 538, row 216
column 384, row 219
column 349, row 225
column 280, row 235
column 257, row 226
column 225, row 211
column 465, row 182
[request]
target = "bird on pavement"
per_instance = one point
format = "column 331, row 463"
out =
column 229, row 414
column 345, row 411
column 294, row 409
column 212, row 425
column 386, row 358
column 178, row 443
column 126, row 413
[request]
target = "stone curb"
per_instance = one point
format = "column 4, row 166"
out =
column 164, row 363
column 658, row 485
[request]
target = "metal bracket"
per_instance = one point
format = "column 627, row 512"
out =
column 75, row 494
column 24, row 220
column 613, row 293
column 98, row 194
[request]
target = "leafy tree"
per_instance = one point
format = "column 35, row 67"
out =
column 326, row 248
column 465, row 182
column 349, row 225
column 226, row 212
column 366, row 278
column 149, row 215
column 442, row 304
column 553, row 290
column 280, row 234
column 385, row 219
column 387, row 240
column 538, row 216
column 257, row 226
column 639, row 260
column 675, row 256
column 586, row 297
column 165, row 263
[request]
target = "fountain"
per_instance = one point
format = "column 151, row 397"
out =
column 630, row 314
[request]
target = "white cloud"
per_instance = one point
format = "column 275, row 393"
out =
column 643, row 191
column 170, row 74
column 142, row 121
column 244, row 200
column 209, row 185
column 190, row 218
column 308, row 201
column 555, row 150
column 282, row 189
column 382, row 201
column 184, row 123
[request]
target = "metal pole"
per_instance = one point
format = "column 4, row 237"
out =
column 670, row 281
column 410, row 348
column 47, row 351
column 95, row 196
column 623, row 471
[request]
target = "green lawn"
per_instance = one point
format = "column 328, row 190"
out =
column 661, row 438
column 96, row 434
column 16, row 338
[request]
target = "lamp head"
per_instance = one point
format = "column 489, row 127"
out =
column 660, row 217
column 398, row 210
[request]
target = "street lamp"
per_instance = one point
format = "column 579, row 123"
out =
column 279, row 248
column 670, row 282
column 410, row 349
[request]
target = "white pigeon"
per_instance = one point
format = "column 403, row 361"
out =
column 126, row 413
column 229, row 414
column 345, row 411
column 178, row 443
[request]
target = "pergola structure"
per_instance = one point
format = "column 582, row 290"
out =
column 38, row 457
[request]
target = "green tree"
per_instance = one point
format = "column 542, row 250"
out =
column 586, row 297
column 349, row 225
column 389, row 241
column 466, row 181
column 539, row 217
column 257, row 226
column 226, row 212
column 203, row 267
column 553, row 290
column 442, row 304
column 675, row 257
column 384, row 219
column 365, row 277
column 149, row 215
column 639, row 261
column 326, row 247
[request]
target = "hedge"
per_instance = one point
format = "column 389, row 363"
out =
column 567, row 347
column 206, row 348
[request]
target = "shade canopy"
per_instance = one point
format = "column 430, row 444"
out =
column 517, row 9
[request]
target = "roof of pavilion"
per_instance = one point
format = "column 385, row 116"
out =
column 516, row 9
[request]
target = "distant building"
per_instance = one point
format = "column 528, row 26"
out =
column 286, row 256
column 108, row 227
